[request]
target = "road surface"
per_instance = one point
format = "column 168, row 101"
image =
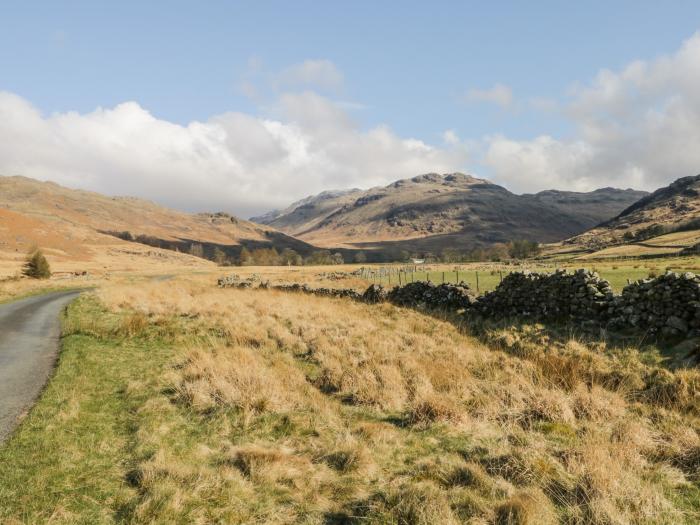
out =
column 29, row 336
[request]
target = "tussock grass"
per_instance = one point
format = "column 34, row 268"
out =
column 240, row 406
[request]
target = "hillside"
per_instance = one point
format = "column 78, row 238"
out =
column 432, row 212
column 82, row 230
column 669, row 217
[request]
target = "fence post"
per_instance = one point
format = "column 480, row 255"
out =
column 477, row 280
column 399, row 278
column 501, row 274
column 443, row 277
column 457, row 276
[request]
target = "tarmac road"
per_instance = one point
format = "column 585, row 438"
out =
column 29, row 337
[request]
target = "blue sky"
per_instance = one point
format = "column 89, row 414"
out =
column 420, row 69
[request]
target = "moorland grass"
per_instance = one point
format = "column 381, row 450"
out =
column 179, row 402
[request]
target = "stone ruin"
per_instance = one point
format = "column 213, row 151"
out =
column 667, row 306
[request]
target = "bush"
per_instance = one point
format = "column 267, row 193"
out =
column 36, row 266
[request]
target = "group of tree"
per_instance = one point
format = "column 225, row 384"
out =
column 516, row 249
column 288, row 257
column 324, row 257
column 523, row 249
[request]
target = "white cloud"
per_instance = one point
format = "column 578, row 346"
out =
column 499, row 94
column 235, row 162
column 637, row 127
column 450, row 137
column 322, row 74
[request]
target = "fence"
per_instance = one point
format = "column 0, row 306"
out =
column 479, row 280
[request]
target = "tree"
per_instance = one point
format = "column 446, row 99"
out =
column 360, row 257
column 265, row 257
column 337, row 258
column 290, row 257
column 451, row 255
column 245, row 258
column 197, row 250
column 319, row 257
column 523, row 248
column 498, row 252
column 220, row 257
column 36, row 265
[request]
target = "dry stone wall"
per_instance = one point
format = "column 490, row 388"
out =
column 432, row 296
column 667, row 306
column 581, row 295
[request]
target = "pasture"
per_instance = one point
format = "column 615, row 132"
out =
column 483, row 277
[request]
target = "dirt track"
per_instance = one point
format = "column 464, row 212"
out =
column 29, row 336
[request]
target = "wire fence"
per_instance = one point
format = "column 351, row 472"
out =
column 479, row 280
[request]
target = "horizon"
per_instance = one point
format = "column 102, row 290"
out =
column 226, row 107
column 297, row 201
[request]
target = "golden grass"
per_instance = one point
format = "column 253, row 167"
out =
column 325, row 409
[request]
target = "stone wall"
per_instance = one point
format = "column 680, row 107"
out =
column 668, row 305
column 432, row 296
column 582, row 296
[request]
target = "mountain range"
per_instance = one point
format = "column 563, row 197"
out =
column 82, row 230
column 431, row 212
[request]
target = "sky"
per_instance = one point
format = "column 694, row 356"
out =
column 246, row 106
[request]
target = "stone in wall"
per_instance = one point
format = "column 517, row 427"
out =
column 375, row 293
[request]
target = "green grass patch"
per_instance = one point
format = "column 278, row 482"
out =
column 487, row 276
column 68, row 460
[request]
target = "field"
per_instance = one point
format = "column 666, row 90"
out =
column 486, row 276
column 175, row 401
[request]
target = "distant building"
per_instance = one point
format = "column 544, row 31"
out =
column 418, row 261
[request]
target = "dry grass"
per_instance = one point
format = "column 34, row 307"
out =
column 266, row 407
column 324, row 409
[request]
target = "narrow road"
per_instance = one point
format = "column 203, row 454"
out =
column 29, row 334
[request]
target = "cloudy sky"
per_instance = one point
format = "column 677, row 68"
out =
column 244, row 107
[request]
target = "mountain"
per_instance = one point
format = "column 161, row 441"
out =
column 298, row 213
column 431, row 212
column 86, row 230
column 672, row 209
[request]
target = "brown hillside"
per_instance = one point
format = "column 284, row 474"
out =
column 673, row 208
column 77, row 229
column 432, row 212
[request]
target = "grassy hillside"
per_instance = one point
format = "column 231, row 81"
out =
column 673, row 209
column 77, row 230
column 177, row 402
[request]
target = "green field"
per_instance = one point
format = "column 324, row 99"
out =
column 484, row 277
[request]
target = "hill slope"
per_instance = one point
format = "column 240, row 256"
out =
column 81, row 229
column 432, row 211
column 669, row 210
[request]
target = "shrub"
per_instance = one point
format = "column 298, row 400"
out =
column 36, row 266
